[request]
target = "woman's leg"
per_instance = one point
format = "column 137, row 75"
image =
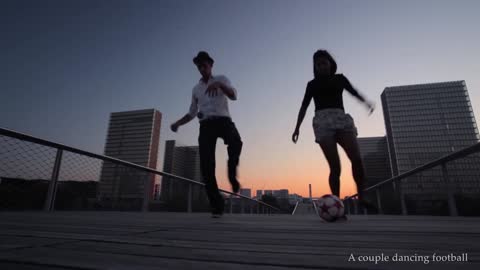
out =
column 348, row 141
column 329, row 148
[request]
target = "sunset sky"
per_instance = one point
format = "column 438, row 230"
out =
column 66, row 65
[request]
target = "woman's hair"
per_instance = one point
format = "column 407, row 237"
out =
column 326, row 55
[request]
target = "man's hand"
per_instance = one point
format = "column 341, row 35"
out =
column 295, row 136
column 212, row 89
column 174, row 127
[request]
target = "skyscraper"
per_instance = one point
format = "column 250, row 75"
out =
column 182, row 161
column 281, row 193
column 374, row 152
column 424, row 122
column 259, row 194
column 132, row 136
column 247, row 192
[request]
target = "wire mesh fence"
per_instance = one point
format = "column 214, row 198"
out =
column 25, row 174
column 78, row 181
column 34, row 176
column 448, row 188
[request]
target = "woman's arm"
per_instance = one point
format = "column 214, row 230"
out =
column 301, row 114
column 348, row 86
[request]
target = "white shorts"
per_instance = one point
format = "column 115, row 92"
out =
column 328, row 123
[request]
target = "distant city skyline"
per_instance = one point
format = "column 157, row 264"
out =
column 66, row 65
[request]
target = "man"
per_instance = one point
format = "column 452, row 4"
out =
column 210, row 104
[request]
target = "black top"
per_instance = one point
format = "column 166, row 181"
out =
column 326, row 92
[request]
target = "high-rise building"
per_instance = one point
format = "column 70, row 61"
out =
column 259, row 194
column 374, row 152
column 182, row 161
column 132, row 136
column 281, row 193
column 425, row 122
column 247, row 192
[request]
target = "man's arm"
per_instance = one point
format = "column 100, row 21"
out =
column 229, row 91
column 187, row 117
column 182, row 121
column 225, row 86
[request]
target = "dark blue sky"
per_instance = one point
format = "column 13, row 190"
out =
column 66, row 65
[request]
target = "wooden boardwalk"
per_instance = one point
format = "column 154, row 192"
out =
column 126, row 240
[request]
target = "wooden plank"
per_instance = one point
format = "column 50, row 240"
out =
column 245, row 223
column 149, row 259
column 279, row 237
column 15, row 242
column 93, row 260
column 26, row 266
column 234, row 241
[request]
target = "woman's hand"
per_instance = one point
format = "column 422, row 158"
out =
column 371, row 106
column 295, row 136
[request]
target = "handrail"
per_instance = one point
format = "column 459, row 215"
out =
column 295, row 209
column 315, row 205
column 29, row 138
column 450, row 157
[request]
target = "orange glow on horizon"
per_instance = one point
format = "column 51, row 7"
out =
column 294, row 181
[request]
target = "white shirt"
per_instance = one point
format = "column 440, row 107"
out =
column 210, row 106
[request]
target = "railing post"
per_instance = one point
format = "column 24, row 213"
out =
column 52, row 187
column 314, row 207
column 170, row 187
column 379, row 201
column 258, row 208
column 146, row 192
column 451, row 199
column 403, row 204
column 189, row 205
column 242, row 206
column 355, row 207
column 231, row 203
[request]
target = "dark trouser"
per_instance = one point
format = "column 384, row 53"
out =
column 210, row 130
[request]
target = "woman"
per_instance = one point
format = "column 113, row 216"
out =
column 331, row 124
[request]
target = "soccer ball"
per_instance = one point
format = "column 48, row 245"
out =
column 330, row 207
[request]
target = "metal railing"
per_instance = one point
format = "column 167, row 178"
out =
column 25, row 159
column 442, row 162
column 295, row 208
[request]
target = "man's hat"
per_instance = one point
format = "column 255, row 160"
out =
column 201, row 57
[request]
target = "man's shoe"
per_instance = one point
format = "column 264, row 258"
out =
column 232, row 177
